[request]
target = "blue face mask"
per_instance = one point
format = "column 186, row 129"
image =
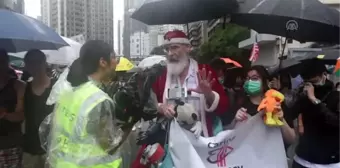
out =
column 252, row 87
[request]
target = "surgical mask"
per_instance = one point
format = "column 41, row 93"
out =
column 252, row 87
column 321, row 82
column 221, row 80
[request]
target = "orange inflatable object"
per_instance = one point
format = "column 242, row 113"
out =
column 268, row 104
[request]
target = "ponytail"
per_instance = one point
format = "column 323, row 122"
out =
column 76, row 76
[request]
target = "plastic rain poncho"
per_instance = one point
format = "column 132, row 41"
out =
column 61, row 85
column 131, row 102
column 100, row 126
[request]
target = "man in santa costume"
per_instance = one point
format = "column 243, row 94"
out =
column 200, row 79
column 197, row 79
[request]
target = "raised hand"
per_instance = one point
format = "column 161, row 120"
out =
column 205, row 82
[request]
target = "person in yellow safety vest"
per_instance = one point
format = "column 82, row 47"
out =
column 83, row 133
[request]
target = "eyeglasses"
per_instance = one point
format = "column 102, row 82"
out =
column 253, row 78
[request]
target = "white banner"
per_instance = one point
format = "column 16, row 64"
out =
column 250, row 145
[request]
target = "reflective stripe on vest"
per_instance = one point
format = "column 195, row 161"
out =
column 71, row 141
column 88, row 161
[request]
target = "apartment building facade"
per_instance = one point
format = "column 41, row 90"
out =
column 91, row 18
column 15, row 5
column 131, row 26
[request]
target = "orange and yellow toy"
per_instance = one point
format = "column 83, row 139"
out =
column 268, row 104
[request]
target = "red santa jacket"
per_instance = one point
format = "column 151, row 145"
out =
column 159, row 86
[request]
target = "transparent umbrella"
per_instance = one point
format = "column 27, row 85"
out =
column 149, row 61
column 64, row 56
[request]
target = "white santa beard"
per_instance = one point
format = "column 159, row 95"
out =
column 176, row 68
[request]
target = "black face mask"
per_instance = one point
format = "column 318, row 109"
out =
column 327, row 85
column 319, row 89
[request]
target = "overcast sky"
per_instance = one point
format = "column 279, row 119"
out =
column 32, row 8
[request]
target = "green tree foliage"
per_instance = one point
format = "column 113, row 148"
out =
column 224, row 43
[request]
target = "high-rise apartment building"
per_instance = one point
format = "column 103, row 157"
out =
column 91, row 18
column 45, row 11
column 120, row 28
column 162, row 29
column 197, row 33
column 99, row 20
column 130, row 25
column 15, row 5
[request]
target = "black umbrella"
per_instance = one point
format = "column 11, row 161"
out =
column 294, row 66
column 328, row 56
column 286, row 66
column 157, row 12
column 302, row 20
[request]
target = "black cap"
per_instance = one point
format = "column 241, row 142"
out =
column 35, row 56
column 312, row 68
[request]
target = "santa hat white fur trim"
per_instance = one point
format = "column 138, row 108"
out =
column 177, row 40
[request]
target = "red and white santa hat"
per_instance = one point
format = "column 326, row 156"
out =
column 176, row 37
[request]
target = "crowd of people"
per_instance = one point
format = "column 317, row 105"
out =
column 84, row 129
column 23, row 102
column 316, row 101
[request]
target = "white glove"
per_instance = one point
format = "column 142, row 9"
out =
column 197, row 129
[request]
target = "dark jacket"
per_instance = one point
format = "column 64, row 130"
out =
column 320, row 142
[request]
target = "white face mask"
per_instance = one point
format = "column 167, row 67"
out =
column 338, row 89
column 322, row 81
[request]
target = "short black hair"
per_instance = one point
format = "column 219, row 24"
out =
column 288, row 83
column 312, row 68
column 218, row 64
column 4, row 55
column 35, row 55
column 75, row 75
column 231, row 75
column 264, row 75
column 90, row 54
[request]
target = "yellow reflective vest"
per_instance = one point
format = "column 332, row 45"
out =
column 71, row 146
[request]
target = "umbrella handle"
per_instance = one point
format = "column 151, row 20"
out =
column 283, row 51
